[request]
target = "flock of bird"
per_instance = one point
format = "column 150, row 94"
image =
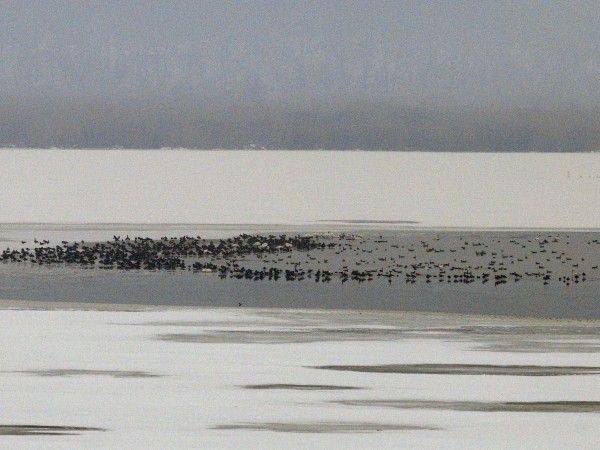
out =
column 153, row 254
column 325, row 257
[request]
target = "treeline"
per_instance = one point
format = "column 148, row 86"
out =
column 203, row 124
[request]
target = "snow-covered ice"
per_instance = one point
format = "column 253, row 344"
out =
column 149, row 380
column 275, row 187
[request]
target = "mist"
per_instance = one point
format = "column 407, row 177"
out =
column 397, row 75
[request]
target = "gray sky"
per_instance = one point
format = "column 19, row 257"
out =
column 422, row 52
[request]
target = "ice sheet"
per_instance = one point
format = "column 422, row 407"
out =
column 179, row 186
column 61, row 367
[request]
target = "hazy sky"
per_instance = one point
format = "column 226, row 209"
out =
column 525, row 52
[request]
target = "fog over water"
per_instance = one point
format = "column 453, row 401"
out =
column 373, row 74
column 509, row 52
column 432, row 189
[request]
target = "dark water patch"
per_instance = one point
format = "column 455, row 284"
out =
column 82, row 372
column 498, row 342
column 550, row 406
column 539, row 347
column 517, row 339
column 294, row 336
column 45, row 430
column 189, row 289
column 523, row 339
column 368, row 222
column 535, row 330
column 529, row 339
column 202, row 323
column 302, row 387
column 323, row 427
column 469, row 369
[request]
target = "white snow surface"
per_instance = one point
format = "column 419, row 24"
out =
column 298, row 187
column 201, row 386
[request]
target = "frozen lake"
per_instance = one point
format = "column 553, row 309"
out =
column 112, row 375
column 130, row 377
column 299, row 187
